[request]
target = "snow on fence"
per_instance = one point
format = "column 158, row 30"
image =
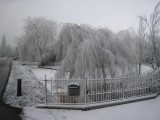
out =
column 86, row 91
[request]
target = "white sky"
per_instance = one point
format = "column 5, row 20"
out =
column 115, row 14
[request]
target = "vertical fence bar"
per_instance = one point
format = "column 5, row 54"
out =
column 51, row 86
column 101, row 92
column 110, row 92
column 46, row 90
column 152, row 84
column 85, row 90
column 123, row 87
column 93, row 90
column 135, row 89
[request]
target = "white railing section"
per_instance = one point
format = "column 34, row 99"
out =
column 100, row 90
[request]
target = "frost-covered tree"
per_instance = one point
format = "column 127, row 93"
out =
column 86, row 52
column 153, row 23
column 3, row 47
column 39, row 36
column 140, row 43
column 148, row 54
column 81, row 52
column 126, row 56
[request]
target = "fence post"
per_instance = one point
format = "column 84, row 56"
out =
column 19, row 83
column 85, row 90
column 51, row 85
column 152, row 84
column 46, row 90
column 123, row 87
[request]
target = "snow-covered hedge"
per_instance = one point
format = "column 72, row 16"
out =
column 33, row 91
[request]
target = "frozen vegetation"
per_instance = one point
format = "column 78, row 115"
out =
column 95, row 53
column 83, row 51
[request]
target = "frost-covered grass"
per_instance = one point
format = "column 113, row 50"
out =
column 144, row 110
column 33, row 91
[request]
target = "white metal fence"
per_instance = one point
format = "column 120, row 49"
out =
column 100, row 90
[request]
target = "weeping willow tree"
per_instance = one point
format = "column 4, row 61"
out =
column 86, row 52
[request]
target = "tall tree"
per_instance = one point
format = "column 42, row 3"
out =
column 141, row 39
column 86, row 52
column 39, row 36
column 153, row 24
column 3, row 46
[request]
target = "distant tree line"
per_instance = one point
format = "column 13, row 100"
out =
column 84, row 51
column 6, row 50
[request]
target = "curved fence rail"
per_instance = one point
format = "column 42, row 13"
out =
column 89, row 91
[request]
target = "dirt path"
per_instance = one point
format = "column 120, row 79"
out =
column 6, row 112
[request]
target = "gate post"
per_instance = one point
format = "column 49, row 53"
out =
column 19, row 87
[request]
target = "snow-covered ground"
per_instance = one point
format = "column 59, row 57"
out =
column 41, row 72
column 3, row 58
column 144, row 110
column 146, row 69
column 33, row 91
column 33, row 94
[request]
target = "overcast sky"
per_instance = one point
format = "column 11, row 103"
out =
column 115, row 14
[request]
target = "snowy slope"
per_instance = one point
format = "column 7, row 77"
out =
column 33, row 91
column 144, row 110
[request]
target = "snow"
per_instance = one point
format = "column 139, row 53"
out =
column 145, row 69
column 3, row 58
column 33, row 94
column 144, row 110
column 33, row 91
column 41, row 72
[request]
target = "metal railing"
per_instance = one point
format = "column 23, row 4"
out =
column 101, row 90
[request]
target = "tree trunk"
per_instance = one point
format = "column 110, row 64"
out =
column 140, row 59
column 71, row 74
column 103, row 72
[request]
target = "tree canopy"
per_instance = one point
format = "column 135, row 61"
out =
column 94, row 53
